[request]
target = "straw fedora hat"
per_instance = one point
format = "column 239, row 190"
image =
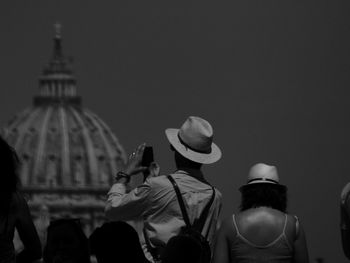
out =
column 261, row 173
column 194, row 141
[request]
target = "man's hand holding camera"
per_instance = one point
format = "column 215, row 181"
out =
column 134, row 166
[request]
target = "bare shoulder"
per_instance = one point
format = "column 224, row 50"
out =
column 261, row 214
column 344, row 193
column 293, row 227
column 264, row 219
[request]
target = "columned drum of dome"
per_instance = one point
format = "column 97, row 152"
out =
column 68, row 154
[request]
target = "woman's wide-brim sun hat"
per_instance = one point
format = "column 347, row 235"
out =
column 194, row 141
column 261, row 173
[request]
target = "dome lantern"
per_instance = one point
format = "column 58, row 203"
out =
column 57, row 83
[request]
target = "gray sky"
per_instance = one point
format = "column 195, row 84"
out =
column 271, row 76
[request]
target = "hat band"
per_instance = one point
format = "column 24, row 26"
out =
column 191, row 148
column 263, row 179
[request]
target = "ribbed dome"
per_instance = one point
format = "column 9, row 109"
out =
column 68, row 154
column 64, row 146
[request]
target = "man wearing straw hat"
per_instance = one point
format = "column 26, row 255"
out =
column 155, row 201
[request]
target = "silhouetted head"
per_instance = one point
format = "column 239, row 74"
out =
column 182, row 248
column 66, row 243
column 116, row 242
column 9, row 164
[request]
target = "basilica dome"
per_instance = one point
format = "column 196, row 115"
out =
column 68, row 154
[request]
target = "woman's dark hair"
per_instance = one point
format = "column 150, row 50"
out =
column 264, row 194
column 9, row 180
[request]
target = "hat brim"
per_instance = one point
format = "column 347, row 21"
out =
column 280, row 186
column 204, row 158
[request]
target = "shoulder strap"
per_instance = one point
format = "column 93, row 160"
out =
column 235, row 224
column 181, row 201
column 296, row 226
column 199, row 224
column 285, row 223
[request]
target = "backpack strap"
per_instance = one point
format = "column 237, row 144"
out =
column 154, row 251
column 181, row 201
column 199, row 223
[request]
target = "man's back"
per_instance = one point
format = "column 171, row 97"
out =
column 155, row 202
column 164, row 219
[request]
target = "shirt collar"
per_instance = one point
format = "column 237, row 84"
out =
column 196, row 173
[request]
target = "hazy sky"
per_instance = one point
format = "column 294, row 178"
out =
column 271, row 76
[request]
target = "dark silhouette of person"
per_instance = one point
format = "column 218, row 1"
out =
column 116, row 242
column 345, row 219
column 66, row 242
column 182, row 248
column 262, row 231
column 14, row 212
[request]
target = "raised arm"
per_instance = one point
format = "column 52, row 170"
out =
column 124, row 205
column 127, row 206
column 27, row 233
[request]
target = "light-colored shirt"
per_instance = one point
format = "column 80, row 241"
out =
column 155, row 203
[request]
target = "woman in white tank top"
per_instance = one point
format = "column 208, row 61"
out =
column 262, row 231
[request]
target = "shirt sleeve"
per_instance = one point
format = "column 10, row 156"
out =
column 215, row 225
column 127, row 206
